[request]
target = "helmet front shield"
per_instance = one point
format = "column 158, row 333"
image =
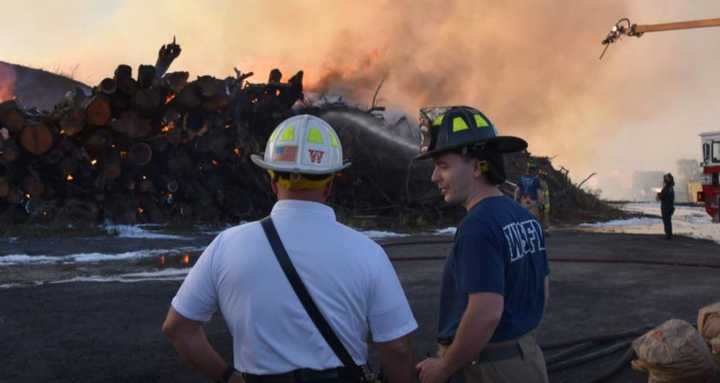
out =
column 430, row 119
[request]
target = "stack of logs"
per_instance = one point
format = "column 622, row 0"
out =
column 159, row 148
column 150, row 148
column 569, row 202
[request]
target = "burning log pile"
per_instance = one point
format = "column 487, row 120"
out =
column 156, row 147
column 150, row 148
column 569, row 203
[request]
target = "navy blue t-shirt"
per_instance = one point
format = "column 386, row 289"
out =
column 499, row 248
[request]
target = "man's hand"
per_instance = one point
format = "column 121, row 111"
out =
column 433, row 370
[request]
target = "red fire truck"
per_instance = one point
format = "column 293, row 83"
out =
column 710, row 193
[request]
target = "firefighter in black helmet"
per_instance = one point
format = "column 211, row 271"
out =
column 495, row 281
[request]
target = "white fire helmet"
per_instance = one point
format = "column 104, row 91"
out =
column 302, row 144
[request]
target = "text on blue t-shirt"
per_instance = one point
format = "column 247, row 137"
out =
column 499, row 247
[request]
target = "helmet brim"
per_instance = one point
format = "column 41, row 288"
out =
column 501, row 144
column 259, row 160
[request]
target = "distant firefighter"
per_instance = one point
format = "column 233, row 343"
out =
column 532, row 193
column 667, row 203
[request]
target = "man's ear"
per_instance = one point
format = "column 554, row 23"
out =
column 328, row 189
column 479, row 168
column 274, row 187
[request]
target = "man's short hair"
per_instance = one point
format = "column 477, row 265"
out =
column 298, row 181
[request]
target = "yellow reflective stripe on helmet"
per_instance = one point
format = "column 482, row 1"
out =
column 333, row 140
column 315, row 136
column 459, row 125
column 288, row 134
column 274, row 135
column 438, row 120
column 480, row 121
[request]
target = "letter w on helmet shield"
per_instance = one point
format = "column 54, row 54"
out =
column 316, row 156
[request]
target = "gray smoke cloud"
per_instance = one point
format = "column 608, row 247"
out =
column 530, row 65
column 533, row 67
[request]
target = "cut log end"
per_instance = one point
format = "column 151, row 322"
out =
column 98, row 111
column 36, row 139
column 140, row 154
column 108, row 86
column 11, row 116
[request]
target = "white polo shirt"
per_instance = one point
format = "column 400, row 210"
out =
column 348, row 275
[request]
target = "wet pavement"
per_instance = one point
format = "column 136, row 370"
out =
column 97, row 332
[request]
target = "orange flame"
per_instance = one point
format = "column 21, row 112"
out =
column 140, row 210
column 186, row 260
column 93, row 162
column 237, row 152
column 69, row 178
column 167, row 128
column 7, row 82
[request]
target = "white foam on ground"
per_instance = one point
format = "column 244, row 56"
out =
column 379, row 234
column 445, row 231
column 213, row 233
column 14, row 285
column 691, row 221
column 10, row 285
column 214, row 230
column 374, row 234
column 159, row 273
column 24, row 259
column 644, row 221
column 148, row 276
column 137, row 231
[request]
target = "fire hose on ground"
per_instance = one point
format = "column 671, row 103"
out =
column 448, row 240
column 569, row 358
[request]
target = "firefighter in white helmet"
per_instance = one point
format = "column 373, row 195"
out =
column 346, row 276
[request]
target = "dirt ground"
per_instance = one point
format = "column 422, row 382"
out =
column 110, row 332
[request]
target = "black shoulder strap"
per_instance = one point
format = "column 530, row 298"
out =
column 301, row 291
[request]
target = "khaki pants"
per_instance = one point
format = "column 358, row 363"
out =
column 528, row 368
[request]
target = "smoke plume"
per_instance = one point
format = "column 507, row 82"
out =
column 532, row 66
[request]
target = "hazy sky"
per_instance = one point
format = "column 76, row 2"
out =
column 531, row 65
